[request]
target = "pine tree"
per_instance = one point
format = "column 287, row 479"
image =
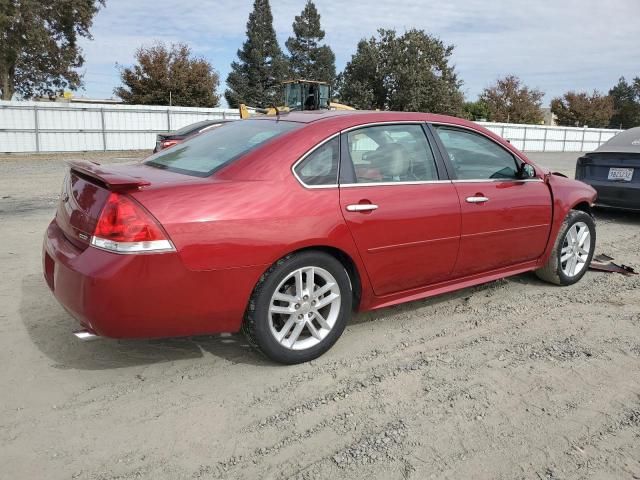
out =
column 410, row 72
column 256, row 77
column 626, row 103
column 308, row 59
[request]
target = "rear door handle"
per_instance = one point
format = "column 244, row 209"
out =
column 477, row 199
column 362, row 207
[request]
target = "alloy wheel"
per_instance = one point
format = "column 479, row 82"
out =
column 575, row 249
column 304, row 308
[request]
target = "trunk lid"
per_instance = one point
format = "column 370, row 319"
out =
column 81, row 202
column 86, row 188
column 610, row 167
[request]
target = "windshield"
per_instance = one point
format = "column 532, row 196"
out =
column 293, row 96
column 205, row 153
column 307, row 96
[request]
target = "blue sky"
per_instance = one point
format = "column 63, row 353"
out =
column 554, row 45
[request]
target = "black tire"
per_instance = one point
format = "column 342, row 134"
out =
column 256, row 325
column 552, row 271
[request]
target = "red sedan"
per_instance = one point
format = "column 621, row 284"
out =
column 282, row 227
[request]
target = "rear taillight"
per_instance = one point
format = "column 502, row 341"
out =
column 125, row 226
column 168, row 143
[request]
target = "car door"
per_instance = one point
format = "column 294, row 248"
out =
column 505, row 219
column 401, row 209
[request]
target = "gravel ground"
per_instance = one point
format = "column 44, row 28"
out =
column 512, row 379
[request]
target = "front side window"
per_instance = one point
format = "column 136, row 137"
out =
column 475, row 157
column 204, row 154
column 320, row 167
column 391, row 153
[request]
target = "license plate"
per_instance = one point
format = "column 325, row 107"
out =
column 624, row 174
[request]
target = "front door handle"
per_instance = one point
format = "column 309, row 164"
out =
column 477, row 199
column 361, row 207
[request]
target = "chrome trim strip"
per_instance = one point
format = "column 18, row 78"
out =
column 389, row 184
column 388, row 122
column 129, row 248
column 492, row 232
column 418, row 182
column 435, row 124
column 356, row 127
column 493, row 180
column 304, row 156
column 410, row 244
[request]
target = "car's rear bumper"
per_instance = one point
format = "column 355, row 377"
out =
column 150, row 296
column 616, row 194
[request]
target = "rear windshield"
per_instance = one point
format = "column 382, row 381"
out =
column 194, row 126
column 204, row 154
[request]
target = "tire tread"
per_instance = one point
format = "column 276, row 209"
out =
column 253, row 325
column 550, row 272
column 249, row 323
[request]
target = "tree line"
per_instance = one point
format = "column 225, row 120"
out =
column 410, row 71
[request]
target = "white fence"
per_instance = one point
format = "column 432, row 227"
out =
column 543, row 138
column 66, row 127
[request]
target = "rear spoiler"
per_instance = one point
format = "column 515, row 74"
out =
column 113, row 180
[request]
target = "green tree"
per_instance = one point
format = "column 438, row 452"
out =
column 410, row 72
column 581, row 109
column 626, row 103
column 307, row 58
column 361, row 84
column 39, row 51
column 508, row 100
column 168, row 75
column 477, row 110
column 256, row 77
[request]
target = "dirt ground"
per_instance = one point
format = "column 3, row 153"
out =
column 513, row 379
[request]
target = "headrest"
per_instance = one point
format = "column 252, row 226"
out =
column 393, row 160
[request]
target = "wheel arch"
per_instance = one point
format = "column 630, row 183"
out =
column 344, row 258
column 583, row 206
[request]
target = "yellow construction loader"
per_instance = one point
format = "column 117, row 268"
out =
column 300, row 95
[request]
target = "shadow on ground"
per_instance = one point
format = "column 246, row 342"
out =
column 624, row 217
column 50, row 328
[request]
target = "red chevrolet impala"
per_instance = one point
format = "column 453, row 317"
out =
column 283, row 226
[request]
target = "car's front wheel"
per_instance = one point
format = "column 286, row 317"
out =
column 299, row 308
column 572, row 251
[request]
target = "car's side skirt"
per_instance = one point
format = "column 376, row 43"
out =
column 448, row 286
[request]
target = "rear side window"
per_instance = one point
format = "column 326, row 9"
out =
column 475, row 157
column 204, row 154
column 320, row 167
column 391, row 153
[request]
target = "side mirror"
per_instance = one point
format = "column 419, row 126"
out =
column 526, row 171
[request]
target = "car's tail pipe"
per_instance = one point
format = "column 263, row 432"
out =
column 85, row 335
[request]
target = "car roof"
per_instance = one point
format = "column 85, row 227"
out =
column 318, row 126
column 624, row 142
column 358, row 116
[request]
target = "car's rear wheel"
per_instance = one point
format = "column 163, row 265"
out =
column 299, row 308
column 572, row 251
